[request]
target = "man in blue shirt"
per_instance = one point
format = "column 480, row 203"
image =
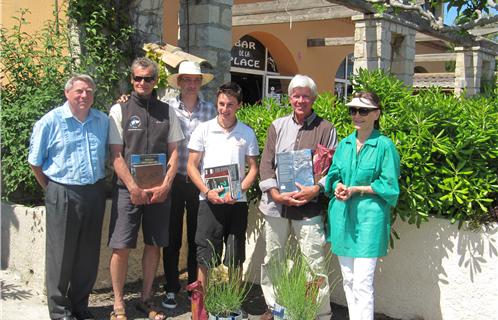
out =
column 67, row 155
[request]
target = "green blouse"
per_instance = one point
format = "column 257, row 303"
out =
column 360, row 226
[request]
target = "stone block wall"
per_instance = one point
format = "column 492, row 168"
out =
column 147, row 19
column 385, row 42
column 23, row 247
column 206, row 31
column 474, row 66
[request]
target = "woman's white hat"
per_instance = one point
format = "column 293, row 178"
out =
column 190, row 68
column 361, row 103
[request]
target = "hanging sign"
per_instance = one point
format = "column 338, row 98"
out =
column 248, row 53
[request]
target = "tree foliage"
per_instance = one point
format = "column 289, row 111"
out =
column 470, row 13
column 104, row 35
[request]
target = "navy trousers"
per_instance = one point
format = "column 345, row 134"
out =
column 74, row 228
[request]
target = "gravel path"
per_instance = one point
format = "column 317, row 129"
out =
column 17, row 299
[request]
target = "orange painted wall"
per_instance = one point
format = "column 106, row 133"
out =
column 287, row 45
column 320, row 63
column 170, row 21
column 41, row 11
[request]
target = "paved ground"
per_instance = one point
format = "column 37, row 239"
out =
column 19, row 302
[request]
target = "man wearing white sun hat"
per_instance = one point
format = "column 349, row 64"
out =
column 192, row 110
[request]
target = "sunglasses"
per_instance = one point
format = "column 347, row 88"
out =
column 146, row 79
column 362, row 111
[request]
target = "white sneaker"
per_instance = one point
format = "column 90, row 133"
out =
column 169, row 302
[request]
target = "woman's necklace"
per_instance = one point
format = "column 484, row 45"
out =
column 359, row 145
column 226, row 128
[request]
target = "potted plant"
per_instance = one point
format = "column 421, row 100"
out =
column 224, row 293
column 295, row 286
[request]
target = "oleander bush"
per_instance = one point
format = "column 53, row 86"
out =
column 448, row 146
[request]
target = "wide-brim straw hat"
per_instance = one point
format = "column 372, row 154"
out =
column 190, row 68
column 361, row 103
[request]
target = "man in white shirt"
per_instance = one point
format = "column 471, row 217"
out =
column 222, row 220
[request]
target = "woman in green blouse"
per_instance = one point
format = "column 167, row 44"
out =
column 363, row 186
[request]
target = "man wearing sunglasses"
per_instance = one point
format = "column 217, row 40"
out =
column 143, row 125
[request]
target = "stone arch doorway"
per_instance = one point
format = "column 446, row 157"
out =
column 262, row 65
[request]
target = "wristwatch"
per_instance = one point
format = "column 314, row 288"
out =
column 322, row 189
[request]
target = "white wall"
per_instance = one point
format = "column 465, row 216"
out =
column 434, row 272
column 23, row 247
column 439, row 272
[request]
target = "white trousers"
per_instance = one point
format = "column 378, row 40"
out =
column 311, row 238
column 357, row 279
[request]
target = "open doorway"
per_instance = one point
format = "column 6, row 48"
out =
column 251, row 85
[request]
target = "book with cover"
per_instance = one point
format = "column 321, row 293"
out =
column 226, row 177
column 294, row 166
column 148, row 170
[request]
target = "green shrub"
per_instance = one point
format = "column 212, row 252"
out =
column 225, row 290
column 34, row 68
column 448, row 146
column 105, row 35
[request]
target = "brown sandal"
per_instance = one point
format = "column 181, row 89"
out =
column 150, row 309
column 118, row 314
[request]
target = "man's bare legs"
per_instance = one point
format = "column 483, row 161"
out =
column 119, row 269
column 202, row 274
column 150, row 261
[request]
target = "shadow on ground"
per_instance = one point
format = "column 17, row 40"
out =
column 101, row 302
column 14, row 292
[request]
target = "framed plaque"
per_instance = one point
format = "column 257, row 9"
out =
column 148, row 170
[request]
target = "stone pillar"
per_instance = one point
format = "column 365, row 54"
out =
column 206, row 31
column 474, row 68
column 147, row 19
column 385, row 42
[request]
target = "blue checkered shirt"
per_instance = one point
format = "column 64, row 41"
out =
column 189, row 121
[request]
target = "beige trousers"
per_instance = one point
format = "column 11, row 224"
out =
column 311, row 238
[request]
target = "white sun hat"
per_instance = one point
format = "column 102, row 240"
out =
column 361, row 103
column 190, row 68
